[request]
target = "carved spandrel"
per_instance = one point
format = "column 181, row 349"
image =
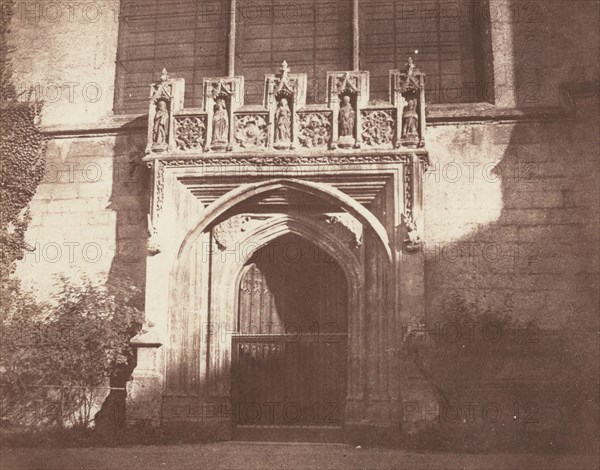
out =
column 231, row 232
column 346, row 228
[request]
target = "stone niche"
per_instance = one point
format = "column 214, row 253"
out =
column 229, row 180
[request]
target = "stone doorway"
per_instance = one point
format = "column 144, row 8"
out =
column 216, row 232
column 290, row 356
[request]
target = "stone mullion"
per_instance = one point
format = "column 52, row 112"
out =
column 355, row 36
column 231, row 38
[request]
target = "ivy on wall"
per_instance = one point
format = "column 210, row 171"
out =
column 22, row 162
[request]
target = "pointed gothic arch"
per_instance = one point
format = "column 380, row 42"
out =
column 322, row 191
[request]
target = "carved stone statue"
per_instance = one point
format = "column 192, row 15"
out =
column 283, row 124
column 347, row 116
column 160, row 129
column 220, row 134
column 410, row 127
column 413, row 239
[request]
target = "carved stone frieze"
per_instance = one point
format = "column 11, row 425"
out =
column 347, row 120
column 251, row 130
column 190, row 132
column 378, row 128
column 315, row 130
column 290, row 160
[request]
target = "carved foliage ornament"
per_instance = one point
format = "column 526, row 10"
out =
column 345, row 227
column 190, row 132
column 315, row 130
column 287, row 160
column 378, row 128
column 251, row 130
column 231, row 231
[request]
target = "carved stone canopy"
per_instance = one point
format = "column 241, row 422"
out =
column 347, row 84
column 285, row 86
column 163, row 89
column 408, row 80
column 221, row 88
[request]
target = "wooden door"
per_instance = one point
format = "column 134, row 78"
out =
column 290, row 356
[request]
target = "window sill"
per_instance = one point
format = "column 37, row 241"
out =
column 442, row 114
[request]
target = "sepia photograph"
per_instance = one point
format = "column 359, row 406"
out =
column 299, row 234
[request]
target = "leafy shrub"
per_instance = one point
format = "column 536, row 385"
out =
column 63, row 352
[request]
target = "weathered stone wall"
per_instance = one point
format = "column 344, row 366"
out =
column 509, row 218
column 65, row 54
column 89, row 213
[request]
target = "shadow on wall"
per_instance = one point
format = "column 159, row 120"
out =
column 130, row 199
column 537, row 264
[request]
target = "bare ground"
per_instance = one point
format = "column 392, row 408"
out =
column 246, row 455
